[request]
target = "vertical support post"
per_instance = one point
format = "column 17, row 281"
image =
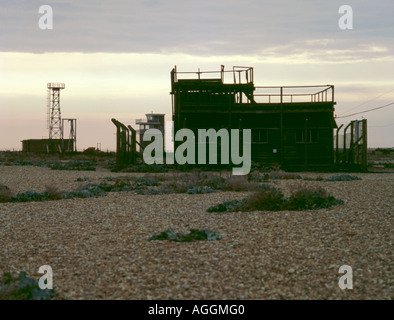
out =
column 75, row 136
column 332, row 93
column 351, row 153
column 337, row 145
column 306, row 142
column 133, row 143
column 281, row 127
column 62, row 135
column 365, row 147
column 345, row 151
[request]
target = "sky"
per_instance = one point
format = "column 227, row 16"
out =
column 115, row 58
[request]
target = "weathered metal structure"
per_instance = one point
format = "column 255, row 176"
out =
column 291, row 125
column 53, row 107
column 70, row 144
column 126, row 144
column 351, row 152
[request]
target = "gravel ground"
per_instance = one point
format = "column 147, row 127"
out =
column 98, row 247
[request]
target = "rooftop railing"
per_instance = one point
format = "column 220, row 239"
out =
column 55, row 85
column 293, row 94
column 238, row 75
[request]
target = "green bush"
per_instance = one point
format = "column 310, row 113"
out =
column 88, row 191
column 31, row 195
column 23, row 288
column 310, row 199
column 269, row 198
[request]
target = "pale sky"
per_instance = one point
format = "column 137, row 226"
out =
column 115, row 58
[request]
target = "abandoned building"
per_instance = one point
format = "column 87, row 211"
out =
column 292, row 126
column 47, row 145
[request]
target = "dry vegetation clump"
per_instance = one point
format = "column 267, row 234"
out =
column 193, row 183
column 310, row 199
column 193, row 235
column 272, row 175
column 269, row 198
column 53, row 192
column 239, row 183
column 198, row 182
column 5, row 194
column 264, row 200
column 342, row 177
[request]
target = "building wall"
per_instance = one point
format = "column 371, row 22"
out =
column 304, row 143
column 45, row 145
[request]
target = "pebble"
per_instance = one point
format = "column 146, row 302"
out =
column 93, row 238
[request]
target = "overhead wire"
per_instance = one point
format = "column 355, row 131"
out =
column 383, row 94
column 353, row 114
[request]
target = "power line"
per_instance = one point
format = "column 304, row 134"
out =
column 349, row 115
column 383, row 94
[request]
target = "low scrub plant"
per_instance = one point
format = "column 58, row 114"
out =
column 342, row 177
column 5, row 194
column 22, row 288
column 310, row 199
column 269, row 198
column 193, row 235
column 233, row 205
column 79, row 165
column 200, row 190
column 238, row 183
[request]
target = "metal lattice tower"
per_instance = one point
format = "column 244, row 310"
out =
column 54, row 114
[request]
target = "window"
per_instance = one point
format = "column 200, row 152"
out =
column 259, row 135
column 299, row 136
column 312, row 136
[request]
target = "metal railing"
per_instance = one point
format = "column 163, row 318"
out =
column 293, row 94
column 238, row 75
column 146, row 121
column 55, row 85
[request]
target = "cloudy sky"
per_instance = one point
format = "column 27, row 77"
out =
column 115, row 58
